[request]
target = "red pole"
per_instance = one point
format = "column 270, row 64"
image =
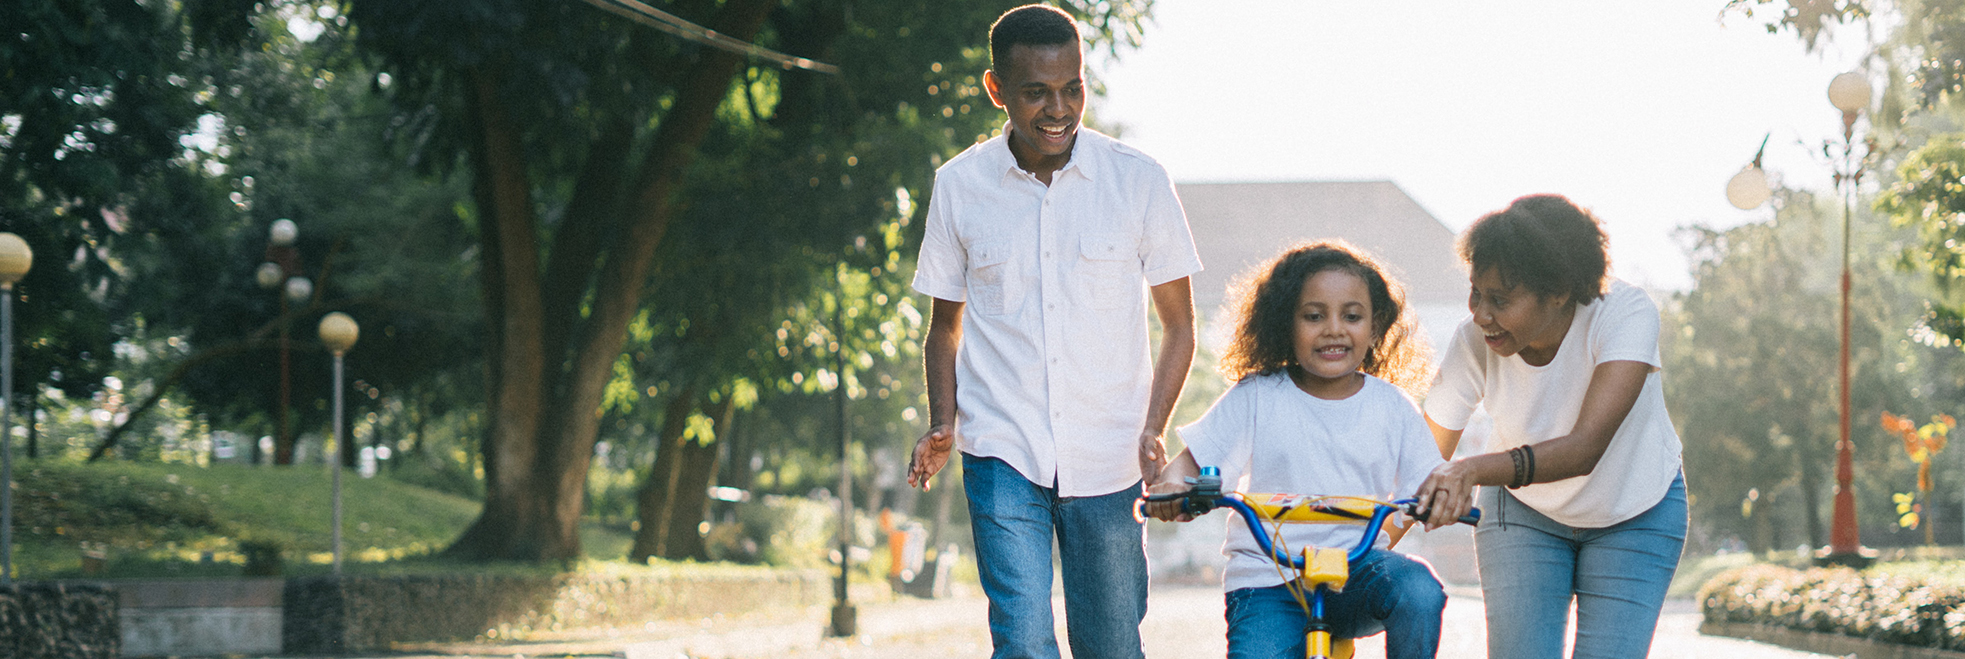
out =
column 1844, row 538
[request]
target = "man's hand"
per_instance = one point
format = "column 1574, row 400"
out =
column 1152, row 455
column 930, row 455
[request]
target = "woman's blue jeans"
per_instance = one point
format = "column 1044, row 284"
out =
column 1101, row 546
column 1532, row 567
column 1387, row 591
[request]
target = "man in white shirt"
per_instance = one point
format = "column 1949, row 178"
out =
column 1041, row 246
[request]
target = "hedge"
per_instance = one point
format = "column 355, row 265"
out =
column 1900, row 609
column 52, row 620
column 327, row 614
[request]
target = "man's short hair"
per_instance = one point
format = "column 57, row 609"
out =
column 1029, row 25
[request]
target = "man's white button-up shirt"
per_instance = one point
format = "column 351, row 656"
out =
column 1054, row 369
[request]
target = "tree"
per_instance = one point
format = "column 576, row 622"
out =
column 93, row 103
column 582, row 133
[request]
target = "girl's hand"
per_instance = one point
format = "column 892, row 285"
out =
column 1447, row 493
column 1167, row 511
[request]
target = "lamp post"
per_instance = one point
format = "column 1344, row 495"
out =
column 282, row 271
column 15, row 259
column 338, row 333
column 845, row 617
column 1849, row 92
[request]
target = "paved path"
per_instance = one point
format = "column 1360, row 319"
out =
column 1183, row 621
column 1187, row 622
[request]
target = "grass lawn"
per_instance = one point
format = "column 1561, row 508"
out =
column 183, row 520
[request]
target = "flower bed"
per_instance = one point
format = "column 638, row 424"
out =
column 1880, row 605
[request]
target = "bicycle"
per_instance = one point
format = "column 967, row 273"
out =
column 1319, row 569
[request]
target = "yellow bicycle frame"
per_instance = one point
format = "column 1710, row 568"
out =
column 1301, row 509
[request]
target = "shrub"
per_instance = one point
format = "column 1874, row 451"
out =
column 1878, row 605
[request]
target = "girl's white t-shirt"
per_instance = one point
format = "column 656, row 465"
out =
column 1268, row 436
column 1536, row 403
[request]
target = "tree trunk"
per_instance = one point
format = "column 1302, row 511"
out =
column 33, row 429
column 689, row 500
column 650, row 502
column 508, row 528
column 544, row 403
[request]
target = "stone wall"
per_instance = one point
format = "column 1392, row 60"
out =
column 53, row 620
column 329, row 614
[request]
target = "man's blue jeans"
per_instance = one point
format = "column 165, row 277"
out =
column 1102, row 549
column 1387, row 591
column 1532, row 566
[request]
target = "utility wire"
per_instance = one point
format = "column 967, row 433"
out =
column 661, row 20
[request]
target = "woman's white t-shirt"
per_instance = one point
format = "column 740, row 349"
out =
column 1536, row 403
column 1268, row 436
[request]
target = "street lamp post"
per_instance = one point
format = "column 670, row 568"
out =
column 1849, row 92
column 282, row 271
column 338, row 333
column 844, row 615
column 15, row 259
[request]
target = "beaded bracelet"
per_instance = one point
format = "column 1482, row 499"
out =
column 1521, row 468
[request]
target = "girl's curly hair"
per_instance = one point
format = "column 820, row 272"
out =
column 1265, row 302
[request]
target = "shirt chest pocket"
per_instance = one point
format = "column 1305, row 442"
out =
column 1110, row 269
column 989, row 280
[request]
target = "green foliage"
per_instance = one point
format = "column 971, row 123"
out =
column 1929, row 197
column 95, row 97
column 1807, row 18
column 778, row 530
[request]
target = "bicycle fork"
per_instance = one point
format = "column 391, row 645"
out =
column 1324, row 570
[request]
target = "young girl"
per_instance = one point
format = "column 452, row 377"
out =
column 1322, row 349
column 1565, row 359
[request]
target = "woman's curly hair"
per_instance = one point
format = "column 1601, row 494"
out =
column 1265, row 303
column 1542, row 242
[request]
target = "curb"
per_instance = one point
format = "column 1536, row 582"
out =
column 1833, row 644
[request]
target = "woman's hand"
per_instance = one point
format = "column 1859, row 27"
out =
column 1167, row 511
column 1448, row 492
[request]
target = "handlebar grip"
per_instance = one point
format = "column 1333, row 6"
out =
column 1472, row 518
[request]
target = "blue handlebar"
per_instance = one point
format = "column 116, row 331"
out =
column 1206, row 495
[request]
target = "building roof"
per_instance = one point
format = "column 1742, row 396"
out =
column 1238, row 226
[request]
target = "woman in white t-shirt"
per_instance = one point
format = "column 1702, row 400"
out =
column 1318, row 328
column 1565, row 359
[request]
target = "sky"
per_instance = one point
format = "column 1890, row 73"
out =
column 1640, row 111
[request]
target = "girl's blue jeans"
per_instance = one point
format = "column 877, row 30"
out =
column 1532, row 567
column 1101, row 546
column 1387, row 591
